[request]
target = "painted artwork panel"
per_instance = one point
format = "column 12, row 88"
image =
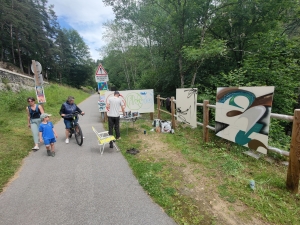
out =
column 186, row 110
column 141, row 101
column 40, row 94
column 102, row 86
column 101, row 101
column 243, row 115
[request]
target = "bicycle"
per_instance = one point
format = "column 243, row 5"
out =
column 74, row 128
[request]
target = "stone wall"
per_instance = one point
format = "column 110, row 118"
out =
column 14, row 81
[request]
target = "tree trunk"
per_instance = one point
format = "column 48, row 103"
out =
column 11, row 36
column 12, row 45
column 2, row 52
column 180, row 71
column 20, row 58
column 29, row 65
column 195, row 74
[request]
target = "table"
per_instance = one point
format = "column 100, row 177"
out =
column 129, row 120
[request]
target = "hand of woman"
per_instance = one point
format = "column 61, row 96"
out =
column 29, row 125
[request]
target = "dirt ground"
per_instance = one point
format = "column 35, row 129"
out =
column 197, row 186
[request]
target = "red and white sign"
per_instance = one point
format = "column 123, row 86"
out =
column 101, row 75
column 101, row 71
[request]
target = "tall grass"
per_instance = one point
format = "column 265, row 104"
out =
column 15, row 137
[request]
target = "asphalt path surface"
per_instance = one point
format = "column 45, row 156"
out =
column 78, row 185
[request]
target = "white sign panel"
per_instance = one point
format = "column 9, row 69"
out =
column 141, row 101
column 100, row 79
column 186, row 110
column 38, row 67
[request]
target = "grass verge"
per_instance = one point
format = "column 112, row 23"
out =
column 15, row 137
column 184, row 175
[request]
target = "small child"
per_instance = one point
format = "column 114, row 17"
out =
column 47, row 134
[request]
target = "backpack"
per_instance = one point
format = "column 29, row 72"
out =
column 156, row 123
column 166, row 127
column 31, row 112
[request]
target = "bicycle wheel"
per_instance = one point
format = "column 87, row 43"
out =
column 78, row 135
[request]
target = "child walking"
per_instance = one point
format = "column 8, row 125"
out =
column 47, row 134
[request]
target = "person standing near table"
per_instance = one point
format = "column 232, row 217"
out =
column 113, row 113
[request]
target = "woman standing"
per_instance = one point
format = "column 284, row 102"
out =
column 34, row 112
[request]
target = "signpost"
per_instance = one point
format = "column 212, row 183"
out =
column 36, row 68
column 101, row 75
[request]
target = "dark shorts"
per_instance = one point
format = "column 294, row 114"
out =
column 49, row 141
column 68, row 123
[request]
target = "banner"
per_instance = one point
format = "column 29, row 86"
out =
column 101, row 101
column 186, row 109
column 141, row 101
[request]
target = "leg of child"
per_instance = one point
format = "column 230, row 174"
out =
column 48, row 150
column 52, row 149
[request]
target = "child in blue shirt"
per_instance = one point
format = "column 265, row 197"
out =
column 47, row 134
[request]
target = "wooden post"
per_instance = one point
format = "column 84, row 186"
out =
column 205, row 120
column 36, row 76
column 158, row 106
column 173, row 113
column 151, row 116
column 292, row 182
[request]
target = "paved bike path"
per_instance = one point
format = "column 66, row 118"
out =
column 78, row 185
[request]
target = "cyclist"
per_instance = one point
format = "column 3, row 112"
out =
column 67, row 108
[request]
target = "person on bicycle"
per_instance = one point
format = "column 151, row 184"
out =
column 66, row 111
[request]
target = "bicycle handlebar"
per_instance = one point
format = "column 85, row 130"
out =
column 72, row 114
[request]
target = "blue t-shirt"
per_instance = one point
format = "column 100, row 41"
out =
column 46, row 130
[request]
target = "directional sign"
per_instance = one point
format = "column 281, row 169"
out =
column 101, row 71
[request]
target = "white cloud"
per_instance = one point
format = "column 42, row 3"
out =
column 87, row 17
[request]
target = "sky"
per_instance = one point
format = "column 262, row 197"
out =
column 87, row 18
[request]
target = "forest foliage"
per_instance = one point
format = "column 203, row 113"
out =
column 166, row 44
column 29, row 30
column 169, row 44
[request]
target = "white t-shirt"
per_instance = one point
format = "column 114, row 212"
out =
column 115, row 106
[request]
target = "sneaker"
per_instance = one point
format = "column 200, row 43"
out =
column 67, row 141
column 119, row 138
column 52, row 154
column 48, row 153
column 111, row 145
column 35, row 148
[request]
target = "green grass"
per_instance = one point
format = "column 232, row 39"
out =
column 227, row 168
column 15, row 137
